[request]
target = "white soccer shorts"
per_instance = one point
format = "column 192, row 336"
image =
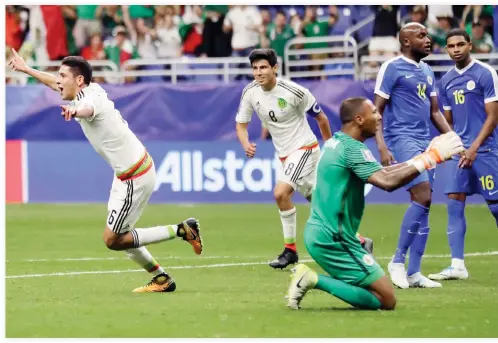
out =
column 128, row 200
column 298, row 170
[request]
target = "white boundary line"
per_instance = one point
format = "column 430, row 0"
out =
column 83, row 259
column 219, row 265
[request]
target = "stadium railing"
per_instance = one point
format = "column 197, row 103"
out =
column 188, row 68
column 357, row 27
column 440, row 63
column 297, row 60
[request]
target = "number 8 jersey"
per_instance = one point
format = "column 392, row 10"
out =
column 283, row 110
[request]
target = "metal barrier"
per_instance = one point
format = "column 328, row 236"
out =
column 432, row 60
column 356, row 27
column 226, row 67
column 293, row 57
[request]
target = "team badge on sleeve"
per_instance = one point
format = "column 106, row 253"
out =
column 471, row 85
column 368, row 156
column 429, row 79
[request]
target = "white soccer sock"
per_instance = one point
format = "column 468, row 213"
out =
column 145, row 260
column 457, row 263
column 154, row 234
column 288, row 219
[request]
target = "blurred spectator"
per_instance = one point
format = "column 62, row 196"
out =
column 438, row 33
column 169, row 42
column 120, row 49
column 215, row 42
column 86, row 24
column 146, row 12
column 47, row 36
column 482, row 42
column 384, row 39
column 279, row 34
column 191, row 30
column 297, row 24
column 143, row 38
column 164, row 10
column 244, row 21
column 312, row 27
column 192, row 14
column 70, row 17
column 265, row 18
column 419, row 15
column 110, row 16
column 13, row 32
column 95, row 50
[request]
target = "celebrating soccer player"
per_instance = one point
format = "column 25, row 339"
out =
column 282, row 106
column 135, row 174
column 405, row 95
column 337, row 204
column 469, row 92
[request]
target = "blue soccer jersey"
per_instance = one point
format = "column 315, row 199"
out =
column 465, row 93
column 408, row 86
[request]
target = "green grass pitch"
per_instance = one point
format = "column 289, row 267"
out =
column 229, row 291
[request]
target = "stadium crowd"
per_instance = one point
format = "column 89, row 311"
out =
column 121, row 32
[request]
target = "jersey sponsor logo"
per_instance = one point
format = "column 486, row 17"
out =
column 282, row 103
column 408, row 76
column 368, row 156
column 471, row 85
column 492, row 193
column 316, row 108
column 191, row 171
column 429, row 79
column 368, row 260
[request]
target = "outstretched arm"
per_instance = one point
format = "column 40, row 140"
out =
column 17, row 63
column 393, row 177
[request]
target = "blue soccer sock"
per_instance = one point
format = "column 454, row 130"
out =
column 409, row 228
column 494, row 211
column 419, row 243
column 457, row 227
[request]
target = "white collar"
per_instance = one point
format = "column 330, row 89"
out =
column 406, row 59
column 461, row 71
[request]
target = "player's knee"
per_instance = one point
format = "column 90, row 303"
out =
column 389, row 302
column 422, row 197
column 111, row 241
column 281, row 195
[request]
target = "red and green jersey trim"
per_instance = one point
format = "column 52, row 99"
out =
column 140, row 168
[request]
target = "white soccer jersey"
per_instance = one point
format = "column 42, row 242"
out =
column 283, row 111
column 107, row 131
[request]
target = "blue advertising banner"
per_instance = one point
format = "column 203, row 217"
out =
column 187, row 172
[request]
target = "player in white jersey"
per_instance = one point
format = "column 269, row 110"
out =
column 282, row 107
column 135, row 175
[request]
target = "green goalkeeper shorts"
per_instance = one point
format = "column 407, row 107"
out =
column 343, row 260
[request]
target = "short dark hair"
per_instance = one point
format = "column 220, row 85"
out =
column 350, row 107
column 263, row 54
column 281, row 12
column 458, row 32
column 79, row 66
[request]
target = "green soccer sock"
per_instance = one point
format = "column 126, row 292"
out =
column 356, row 296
